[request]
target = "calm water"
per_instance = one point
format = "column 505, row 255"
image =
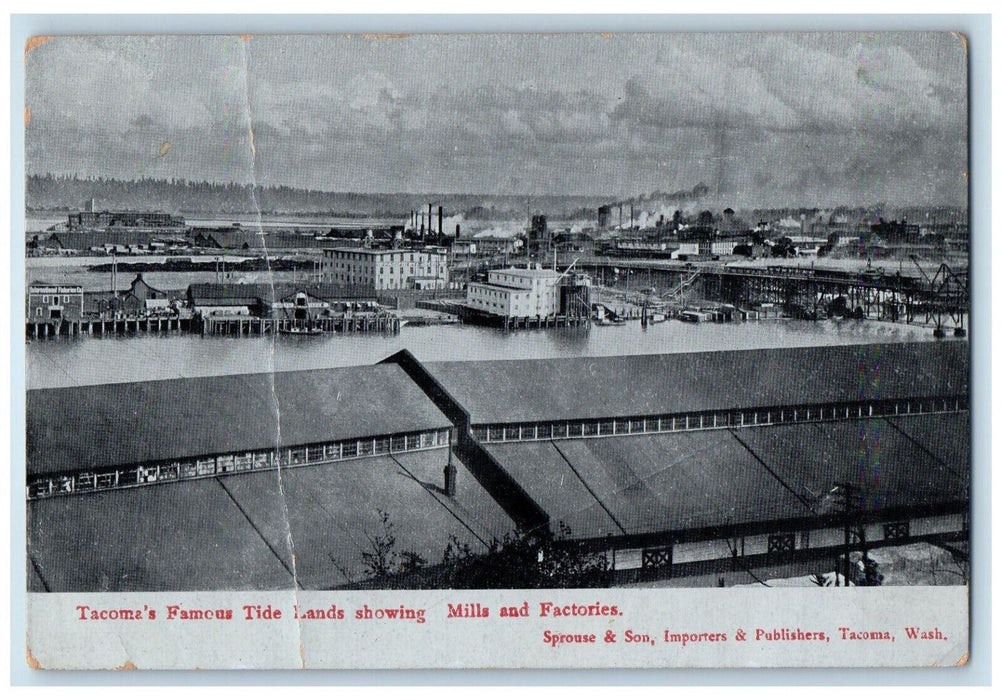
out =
column 74, row 361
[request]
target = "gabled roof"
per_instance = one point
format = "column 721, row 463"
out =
column 641, row 484
column 240, row 530
column 248, row 294
column 78, row 428
column 604, row 387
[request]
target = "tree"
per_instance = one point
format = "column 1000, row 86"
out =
column 868, row 573
column 382, row 558
column 525, row 560
column 518, row 560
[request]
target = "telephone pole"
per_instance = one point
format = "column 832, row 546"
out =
column 849, row 497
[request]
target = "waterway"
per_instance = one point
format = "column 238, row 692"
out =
column 84, row 360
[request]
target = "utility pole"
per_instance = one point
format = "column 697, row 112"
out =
column 849, row 498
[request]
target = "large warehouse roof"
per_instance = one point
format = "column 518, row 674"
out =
column 600, row 387
column 671, row 482
column 80, row 428
column 239, row 532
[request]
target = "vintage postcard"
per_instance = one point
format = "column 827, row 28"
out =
column 497, row 351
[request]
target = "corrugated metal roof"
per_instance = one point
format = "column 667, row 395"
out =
column 681, row 481
column 80, row 428
column 233, row 532
column 597, row 387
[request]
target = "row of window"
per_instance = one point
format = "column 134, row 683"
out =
column 54, row 298
column 392, row 256
column 398, row 269
column 304, row 455
column 778, row 544
column 507, row 432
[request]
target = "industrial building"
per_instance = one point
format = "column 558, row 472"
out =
column 669, row 465
column 305, row 301
column 123, row 219
column 208, row 483
column 685, row 463
column 46, row 301
column 530, row 292
column 488, row 244
column 140, row 297
column 387, row 268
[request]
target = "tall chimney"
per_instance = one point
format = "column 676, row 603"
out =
column 422, row 225
column 450, row 478
column 429, row 218
column 457, row 230
column 439, row 219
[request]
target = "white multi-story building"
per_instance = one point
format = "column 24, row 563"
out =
column 380, row 269
column 517, row 293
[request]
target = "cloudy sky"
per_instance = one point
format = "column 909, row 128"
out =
column 763, row 119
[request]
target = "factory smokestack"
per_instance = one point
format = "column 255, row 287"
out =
column 439, row 219
column 429, row 219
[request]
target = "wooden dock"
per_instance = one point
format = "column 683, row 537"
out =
column 256, row 326
column 209, row 325
column 515, row 323
column 123, row 325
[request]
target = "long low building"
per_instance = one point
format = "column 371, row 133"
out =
column 685, row 463
column 212, row 483
column 113, row 435
column 240, row 531
column 670, row 465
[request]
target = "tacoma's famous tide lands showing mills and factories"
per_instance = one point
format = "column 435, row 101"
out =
column 743, row 360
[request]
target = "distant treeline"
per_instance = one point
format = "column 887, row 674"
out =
column 70, row 193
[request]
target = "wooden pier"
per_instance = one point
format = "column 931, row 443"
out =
column 210, row 325
column 252, row 325
column 124, row 325
column 516, row 323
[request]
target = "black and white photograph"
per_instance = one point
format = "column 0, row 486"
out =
column 468, row 327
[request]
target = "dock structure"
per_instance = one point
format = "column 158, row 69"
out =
column 104, row 326
column 940, row 299
column 675, row 465
column 235, row 325
column 342, row 323
column 515, row 323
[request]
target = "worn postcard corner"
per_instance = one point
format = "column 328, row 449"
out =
column 497, row 351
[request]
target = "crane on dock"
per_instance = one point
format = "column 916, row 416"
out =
column 945, row 297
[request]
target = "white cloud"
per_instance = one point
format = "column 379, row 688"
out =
column 555, row 114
